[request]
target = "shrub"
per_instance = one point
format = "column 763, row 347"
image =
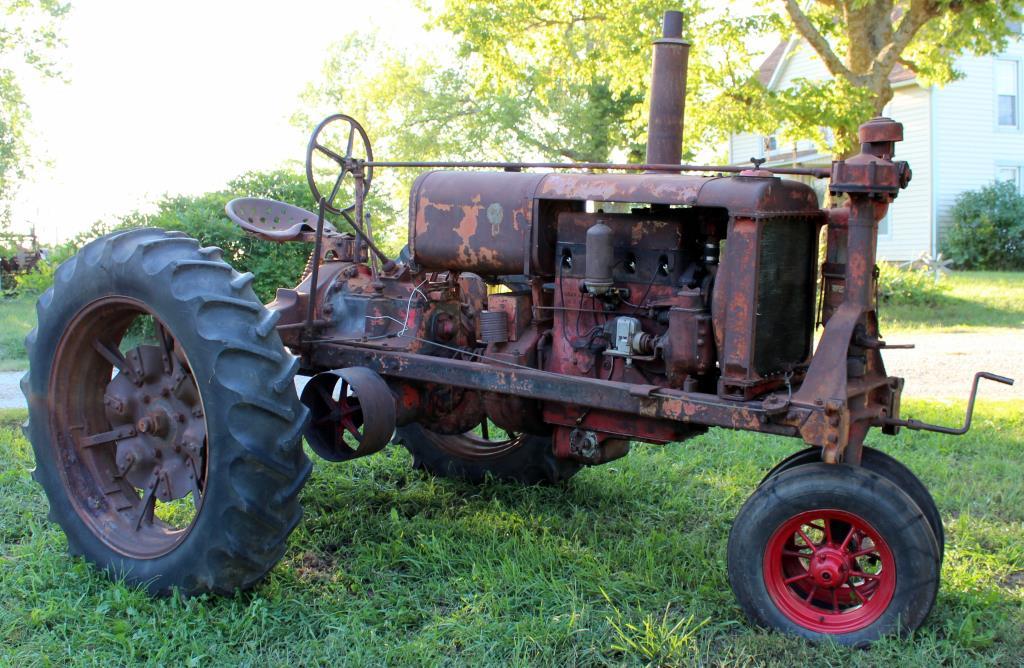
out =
column 908, row 287
column 202, row 216
column 988, row 228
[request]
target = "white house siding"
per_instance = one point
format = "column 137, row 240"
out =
column 968, row 144
column 910, row 216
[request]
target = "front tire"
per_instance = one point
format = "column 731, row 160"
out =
column 886, row 466
column 832, row 551
column 206, row 419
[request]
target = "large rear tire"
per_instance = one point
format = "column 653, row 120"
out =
column 833, row 551
column 524, row 458
column 205, row 421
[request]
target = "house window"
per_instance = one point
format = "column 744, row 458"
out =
column 771, row 143
column 1006, row 93
column 1008, row 173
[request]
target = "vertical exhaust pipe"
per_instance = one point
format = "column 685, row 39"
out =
column 668, row 93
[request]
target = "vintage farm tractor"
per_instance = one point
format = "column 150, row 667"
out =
column 541, row 317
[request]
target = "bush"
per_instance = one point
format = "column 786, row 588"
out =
column 202, row 216
column 908, row 287
column 988, row 228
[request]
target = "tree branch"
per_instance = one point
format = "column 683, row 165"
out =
column 818, row 42
column 919, row 13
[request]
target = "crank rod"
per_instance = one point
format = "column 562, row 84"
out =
column 955, row 431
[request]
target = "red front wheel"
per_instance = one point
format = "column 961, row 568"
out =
column 833, row 551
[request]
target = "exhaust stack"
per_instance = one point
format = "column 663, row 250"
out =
column 668, row 93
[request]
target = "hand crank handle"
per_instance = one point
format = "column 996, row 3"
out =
column 955, row 431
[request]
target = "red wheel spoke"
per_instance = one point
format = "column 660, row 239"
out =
column 797, row 578
column 351, row 428
column 866, row 551
column 849, row 537
column 835, row 600
column 808, row 541
column 346, row 410
column 810, row 595
column 865, row 576
column 828, row 531
column 800, row 555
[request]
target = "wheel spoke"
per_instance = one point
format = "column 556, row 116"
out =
column 351, row 428
column 197, row 494
column 127, row 431
column 835, row 600
column 865, row 576
column 148, row 505
column 849, row 537
column 484, row 431
column 114, row 357
column 351, row 136
column 810, row 594
column 337, row 187
column 344, row 410
column 866, row 551
column 828, row 531
column 330, row 154
column 797, row 578
column 808, row 541
column 799, row 555
column 166, row 345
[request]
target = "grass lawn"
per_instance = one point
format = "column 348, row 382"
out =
column 17, row 317
column 974, row 300
column 623, row 564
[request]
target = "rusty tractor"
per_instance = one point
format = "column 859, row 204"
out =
column 541, row 317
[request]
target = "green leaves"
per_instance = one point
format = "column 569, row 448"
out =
column 28, row 34
column 568, row 79
column 988, row 228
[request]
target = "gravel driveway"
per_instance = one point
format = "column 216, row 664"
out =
column 941, row 366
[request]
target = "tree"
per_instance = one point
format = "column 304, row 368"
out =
column 567, row 79
column 28, row 39
column 861, row 41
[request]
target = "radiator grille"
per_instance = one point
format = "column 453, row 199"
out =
column 785, row 299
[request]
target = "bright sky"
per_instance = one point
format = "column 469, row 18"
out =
column 178, row 97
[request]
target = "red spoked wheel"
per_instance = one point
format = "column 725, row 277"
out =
column 829, row 571
column 833, row 551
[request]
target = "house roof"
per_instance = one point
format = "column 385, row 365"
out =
column 768, row 69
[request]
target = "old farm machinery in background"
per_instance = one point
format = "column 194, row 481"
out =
column 542, row 317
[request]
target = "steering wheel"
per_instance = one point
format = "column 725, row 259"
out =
column 346, row 160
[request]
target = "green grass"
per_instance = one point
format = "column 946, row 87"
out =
column 622, row 565
column 18, row 316
column 975, row 300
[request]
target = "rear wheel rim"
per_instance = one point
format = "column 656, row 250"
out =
column 829, row 571
column 129, row 430
column 479, row 447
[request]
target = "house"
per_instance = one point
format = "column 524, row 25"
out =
column 956, row 138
